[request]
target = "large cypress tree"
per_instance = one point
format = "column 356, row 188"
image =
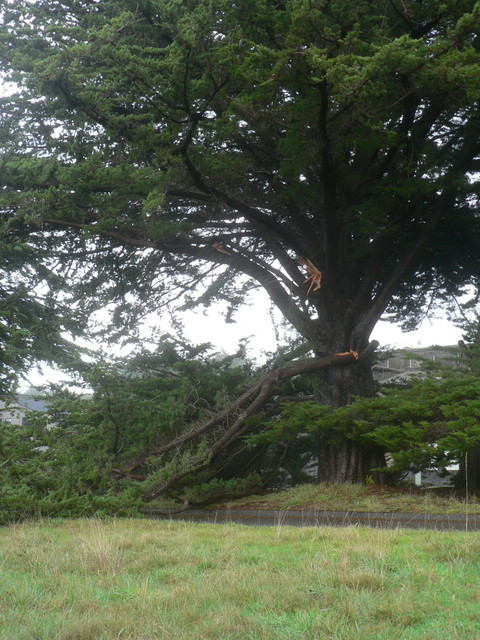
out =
column 325, row 150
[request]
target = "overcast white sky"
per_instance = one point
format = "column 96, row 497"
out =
column 255, row 321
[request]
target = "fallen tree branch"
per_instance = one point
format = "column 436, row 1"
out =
column 254, row 397
column 198, row 430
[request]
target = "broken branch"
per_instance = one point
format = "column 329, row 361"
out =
column 315, row 277
column 256, row 395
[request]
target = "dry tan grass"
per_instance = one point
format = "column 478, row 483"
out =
column 359, row 497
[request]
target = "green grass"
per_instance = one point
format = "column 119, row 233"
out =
column 143, row 580
column 356, row 497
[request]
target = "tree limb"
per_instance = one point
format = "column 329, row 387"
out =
column 256, row 395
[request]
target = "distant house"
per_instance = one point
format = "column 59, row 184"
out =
column 15, row 411
column 403, row 364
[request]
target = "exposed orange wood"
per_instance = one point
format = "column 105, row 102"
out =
column 315, row 277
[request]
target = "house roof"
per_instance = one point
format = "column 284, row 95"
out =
column 30, row 402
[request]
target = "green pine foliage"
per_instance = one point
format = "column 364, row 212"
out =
column 36, row 324
column 431, row 423
column 342, row 132
column 53, row 471
column 70, row 461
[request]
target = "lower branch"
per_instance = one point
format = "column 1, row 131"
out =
column 256, row 396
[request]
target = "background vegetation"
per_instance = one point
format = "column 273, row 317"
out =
column 110, row 451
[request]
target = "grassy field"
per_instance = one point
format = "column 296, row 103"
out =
column 143, row 580
column 357, row 497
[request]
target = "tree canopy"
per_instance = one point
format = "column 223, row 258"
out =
column 246, row 137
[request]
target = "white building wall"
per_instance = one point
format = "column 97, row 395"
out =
column 12, row 413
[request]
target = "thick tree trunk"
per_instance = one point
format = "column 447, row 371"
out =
column 468, row 476
column 341, row 385
column 347, row 461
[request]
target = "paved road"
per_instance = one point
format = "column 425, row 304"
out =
column 442, row 522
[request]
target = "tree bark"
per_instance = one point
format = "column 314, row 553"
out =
column 344, row 461
column 468, row 476
column 347, row 461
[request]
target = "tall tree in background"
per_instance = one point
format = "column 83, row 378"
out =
column 323, row 150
